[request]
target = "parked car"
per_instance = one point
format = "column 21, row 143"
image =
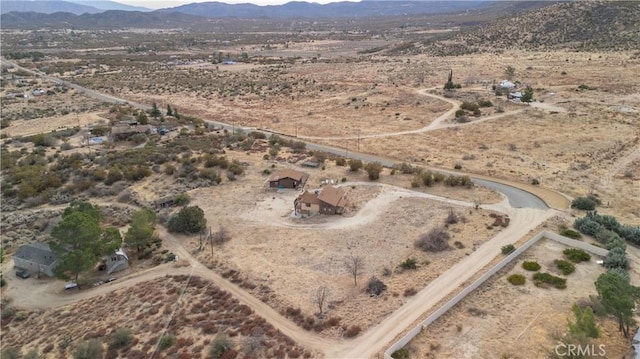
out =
column 70, row 285
column 23, row 273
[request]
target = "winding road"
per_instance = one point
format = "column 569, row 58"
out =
column 525, row 210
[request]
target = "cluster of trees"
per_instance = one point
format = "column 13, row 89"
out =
column 592, row 223
column 189, row 220
column 79, row 241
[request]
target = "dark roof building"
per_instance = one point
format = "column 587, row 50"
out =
column 36, row 258
column 288, row 179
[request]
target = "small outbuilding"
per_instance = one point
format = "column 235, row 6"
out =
column 288, row 179
column 36, row 258
column 117, row 261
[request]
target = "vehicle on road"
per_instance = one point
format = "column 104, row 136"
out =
column 70, row 285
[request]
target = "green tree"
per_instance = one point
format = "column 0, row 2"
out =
column 189, row 220
column 141, row 228
column 155, row 112
column 373, row 170
column 585, row 323
column 618, row 297
column 76, row 241
column 142, row 118
column 111, row 240
column 527, row 96
column 169, row 111
column 85, row 207
column 616, row 258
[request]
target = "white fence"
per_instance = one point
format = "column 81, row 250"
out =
column 455, row 300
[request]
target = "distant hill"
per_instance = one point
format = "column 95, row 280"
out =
column 46, row 7
column 588, row 25
column 109, row 5
column 297, row 9
column 112, row 19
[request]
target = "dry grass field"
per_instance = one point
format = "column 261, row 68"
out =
column 171, row 317
column 500, row 320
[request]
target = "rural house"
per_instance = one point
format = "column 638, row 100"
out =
column 288, row 179
column 329, row 200
column 119, row 133
column 36, row 258
column 117, row 261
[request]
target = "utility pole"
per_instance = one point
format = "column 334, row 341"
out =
column 358, row 140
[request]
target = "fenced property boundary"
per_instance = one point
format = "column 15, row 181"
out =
column 466, row 291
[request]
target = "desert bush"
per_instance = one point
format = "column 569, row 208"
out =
column 10, row 353
column 400, row 354
column 409, row 263
column 571, row 233
column 452, row 217
column 516, row 279
column 341, row 161
column 576, row 255
column 221, row 344
column 531, row 266
column 565, row 267
column 373, row 169
column 616, row 243
column 436, row 240
column 469, row 106
column 355, row 165
column 375, row 286
column 540, row 279
column 167, row 341
column 586, row 203
column 181, row 199
column 91, row 349
column 189, row 220
column 616, row 258
column 411, row 291
column 508, row 249
column 353, row 331
column 485, row 103
column 605, row 236
column 120, row 338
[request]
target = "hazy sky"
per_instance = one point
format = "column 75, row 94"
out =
column 158, row 4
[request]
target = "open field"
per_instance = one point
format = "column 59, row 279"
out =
column 189, row 312
column 367, row 90
column 501, row 320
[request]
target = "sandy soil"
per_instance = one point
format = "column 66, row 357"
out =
column 515, row 321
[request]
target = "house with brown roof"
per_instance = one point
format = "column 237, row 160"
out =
column 329, row 200
column 288, row 179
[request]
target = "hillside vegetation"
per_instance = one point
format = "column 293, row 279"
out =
column 580, row 25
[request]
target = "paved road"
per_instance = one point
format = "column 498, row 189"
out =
column 517, row 197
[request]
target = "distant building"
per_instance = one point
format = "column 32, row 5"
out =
column 36, row 258
column 288, row 179
column 329, row 200
column 119, row 133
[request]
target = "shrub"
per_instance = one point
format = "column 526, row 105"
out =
column 167, row 341
column 373, row 170
column 576, row 255
column 565, row 267
column 587, row 226
column 571, row 233
column 516, row 279
column 375, row 286
column 400, row 354
column 355, row 165
column 540, row 279
column 120, row 338
column 410, row 263
column 531, row 266
column 91, row 349
column 341, row 162
column 616, row 258
column 587, row 203
column 189, row 220
column 535, row 182
column 411, row 291
column 605, row 236
column 220, row 346
column 181, row 199
column 508, row 249
column 436, row 240
column 353, row 331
